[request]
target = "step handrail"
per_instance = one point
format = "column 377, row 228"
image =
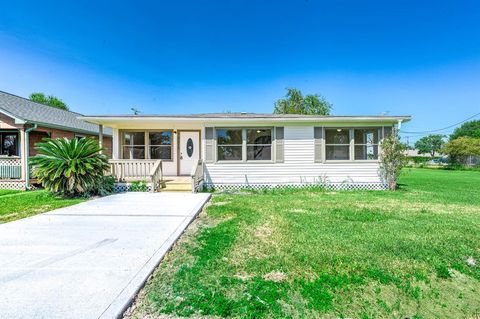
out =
column 197, row 175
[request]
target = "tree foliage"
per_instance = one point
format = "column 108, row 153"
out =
column 392, row 159
column 295, row 103
column 461, row 148
column 48, row 100
column 69, row 167
column 471, row 129
column 430, row 144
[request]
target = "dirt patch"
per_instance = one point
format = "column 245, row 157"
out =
column 263, row 231
column 243, row 276
column 275, row 276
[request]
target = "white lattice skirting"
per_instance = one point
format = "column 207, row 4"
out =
column 12, row 184
column 328, row 186
column 127, row 187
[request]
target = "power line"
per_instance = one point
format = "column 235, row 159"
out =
column 442, row 129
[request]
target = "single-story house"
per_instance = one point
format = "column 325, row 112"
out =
column 23, row 123
column 236, row 150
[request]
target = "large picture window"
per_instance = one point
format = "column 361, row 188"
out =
column 229, row 144
column 249, row 144
column 160, row 144
column 147, row 145
column 8, row 144
column 259, row 144
column 366, row 144
column 337, row 144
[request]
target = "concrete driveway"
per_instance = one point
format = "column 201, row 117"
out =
column 89, row 260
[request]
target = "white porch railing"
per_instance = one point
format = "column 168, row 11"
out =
column 197, row 176
column 10, row 168
column 149, row 171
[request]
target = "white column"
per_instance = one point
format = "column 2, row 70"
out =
column 100, row 137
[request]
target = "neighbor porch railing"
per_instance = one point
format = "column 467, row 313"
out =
column 149, row 171
column 10, row 168
column 197, row 176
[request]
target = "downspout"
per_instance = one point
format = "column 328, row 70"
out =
column 27, row 151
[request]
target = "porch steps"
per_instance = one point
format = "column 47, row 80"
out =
column 176, row 184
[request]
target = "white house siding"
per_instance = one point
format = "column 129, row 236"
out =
column 298, row 167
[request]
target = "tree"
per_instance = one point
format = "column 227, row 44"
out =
column 295, row 103
column 461, row 148
column 48, row 100
column 430, row 144
column 471, row 129
column 392, row 159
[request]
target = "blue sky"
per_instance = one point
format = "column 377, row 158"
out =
column 420, row 58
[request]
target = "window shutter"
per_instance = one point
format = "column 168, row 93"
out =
column 209, row 149
column 318, row 137
column 279, row 149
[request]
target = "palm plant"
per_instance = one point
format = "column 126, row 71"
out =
column 69, row 167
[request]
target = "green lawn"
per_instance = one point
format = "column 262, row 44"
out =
column 301, row 254
column 19, row 204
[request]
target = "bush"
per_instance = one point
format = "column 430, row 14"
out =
column 103, row 187
column 463, row 150
column 138, row 186
column 392, row 159
column 70, row 167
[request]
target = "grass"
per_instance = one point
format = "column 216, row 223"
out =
column 20, row 204
column 297, row 254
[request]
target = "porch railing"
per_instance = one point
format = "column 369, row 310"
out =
column 10, row 168
column 197, row 176
column 149, row 171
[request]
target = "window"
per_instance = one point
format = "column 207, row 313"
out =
column 259, row 144
column 160, row 144
column 9, row 144
column 337, row 144
column 229, row 144
column 133, row 145
column 366, row 144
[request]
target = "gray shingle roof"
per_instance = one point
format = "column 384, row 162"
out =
column 41, row 114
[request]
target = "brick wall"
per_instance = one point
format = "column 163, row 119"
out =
column 42, row 132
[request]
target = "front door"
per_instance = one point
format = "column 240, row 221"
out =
column 189, row 151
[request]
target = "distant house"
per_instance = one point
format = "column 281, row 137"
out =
column 24, row 123
column 235, row 150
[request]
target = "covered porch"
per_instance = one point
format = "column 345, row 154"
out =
column 131, row 172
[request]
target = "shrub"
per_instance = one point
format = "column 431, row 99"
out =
column 104, row 186
column 392, row 159
column 69, row 167
column 138, row 186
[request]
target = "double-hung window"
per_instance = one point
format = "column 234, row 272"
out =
column 8, row 144
column 229, row 144
column 259, row 144
column 160, row 144
column 133, row 145
column 244, row 144
column 337, row 144
column 366, row 144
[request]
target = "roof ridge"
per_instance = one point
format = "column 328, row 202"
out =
column 42, row 104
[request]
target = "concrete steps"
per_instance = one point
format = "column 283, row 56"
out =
column 177, row 185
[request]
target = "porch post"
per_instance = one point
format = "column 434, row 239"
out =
column 23, row 153
column 100, row 137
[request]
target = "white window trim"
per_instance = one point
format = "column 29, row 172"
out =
column 147, row 142
column 244, row 145
column 381, row 134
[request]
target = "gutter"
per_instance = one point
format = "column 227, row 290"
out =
column 27, row 151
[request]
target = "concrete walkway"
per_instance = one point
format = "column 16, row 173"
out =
column 89, row 260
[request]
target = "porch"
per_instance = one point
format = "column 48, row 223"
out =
column 130, row 172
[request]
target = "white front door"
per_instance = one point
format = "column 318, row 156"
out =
column 189, row 151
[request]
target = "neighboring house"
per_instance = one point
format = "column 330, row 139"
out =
column 24, row 123
column 235, row 150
